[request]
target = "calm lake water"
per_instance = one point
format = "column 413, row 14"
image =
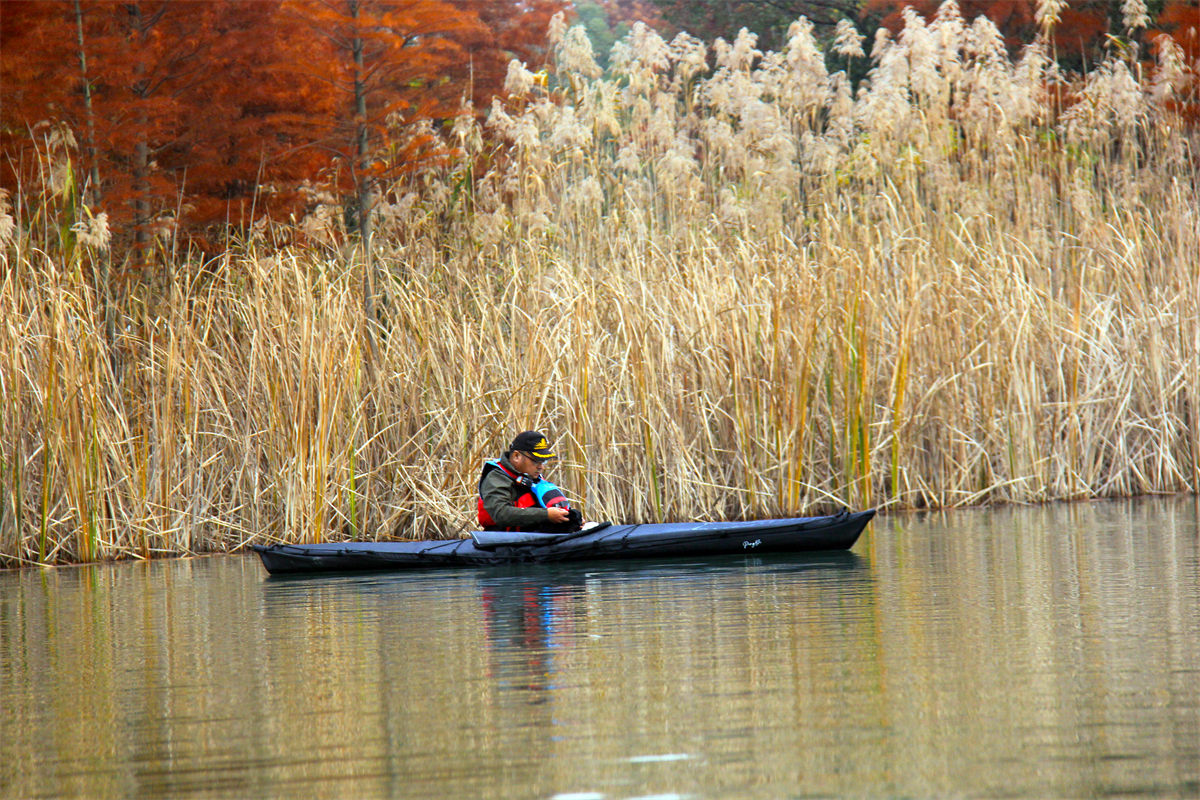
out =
column 1037, row 652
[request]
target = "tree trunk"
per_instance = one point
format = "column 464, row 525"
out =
column 141, row 203
column 94, row 193
column 363, row 187
column 141, row 161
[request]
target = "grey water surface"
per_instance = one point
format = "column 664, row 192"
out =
column 1029, row 652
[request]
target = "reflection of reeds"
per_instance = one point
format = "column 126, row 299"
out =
column 741, row 292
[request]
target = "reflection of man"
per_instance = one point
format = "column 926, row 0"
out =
column 516, row 616
column 523, row 618
column 513, row 495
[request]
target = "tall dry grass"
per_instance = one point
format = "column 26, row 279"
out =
column 725, row 284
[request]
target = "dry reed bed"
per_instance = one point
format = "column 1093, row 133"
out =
column 710, row 320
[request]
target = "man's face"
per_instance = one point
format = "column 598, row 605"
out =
column 526, row 464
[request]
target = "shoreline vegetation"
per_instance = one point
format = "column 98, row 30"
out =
column 726, row 283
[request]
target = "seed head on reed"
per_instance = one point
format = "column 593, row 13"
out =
column 841, row 112
column 641, row 57
column 400, row 214
column 678, row 168
column 731, row 209
column 585, row 197
column 58, row 137
column 719, row 137
column 806, row 82
column 557, row 28
column 522, row 130
column 1032, row 74
column 599, row 109
column 321, row 222
column 820, row 155
column 662, row 127
column 689, row 55
column 1134, row 14
column 575, row 55
column 739, row 56
column 61, row 174
column 948, row 22
column 7, row 224
column 948, row 31
column 519, row 80
column 883, row 39
column 883, row 105
column 163, row 227
column 500, row 122
column 1172, row 73
column 1110, row 104
column 802, row 50
column 467, row 132
column 847, row 41
column 1048, row 14
column 92, row 232
column 985, row 44
column 628, row 158
column 568, row 135
column 922, row 50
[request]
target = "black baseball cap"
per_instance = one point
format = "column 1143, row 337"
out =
column 533, row 443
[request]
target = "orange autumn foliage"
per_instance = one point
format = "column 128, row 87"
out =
column 191, row 117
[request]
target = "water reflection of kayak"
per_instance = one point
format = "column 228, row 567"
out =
column 601, row 542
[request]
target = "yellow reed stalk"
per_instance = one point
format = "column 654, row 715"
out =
column 803, row 390
column 645, row 421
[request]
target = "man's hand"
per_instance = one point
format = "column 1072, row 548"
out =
column 558, row 514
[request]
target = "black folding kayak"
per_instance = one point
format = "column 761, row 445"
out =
column 601, row 542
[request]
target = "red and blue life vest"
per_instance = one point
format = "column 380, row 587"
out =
column 541, row 493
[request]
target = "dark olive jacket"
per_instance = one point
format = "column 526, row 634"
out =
column 500, row 494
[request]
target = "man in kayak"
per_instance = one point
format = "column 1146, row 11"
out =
column 513, row 495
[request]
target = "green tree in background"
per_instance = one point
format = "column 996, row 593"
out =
column 708, row 19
